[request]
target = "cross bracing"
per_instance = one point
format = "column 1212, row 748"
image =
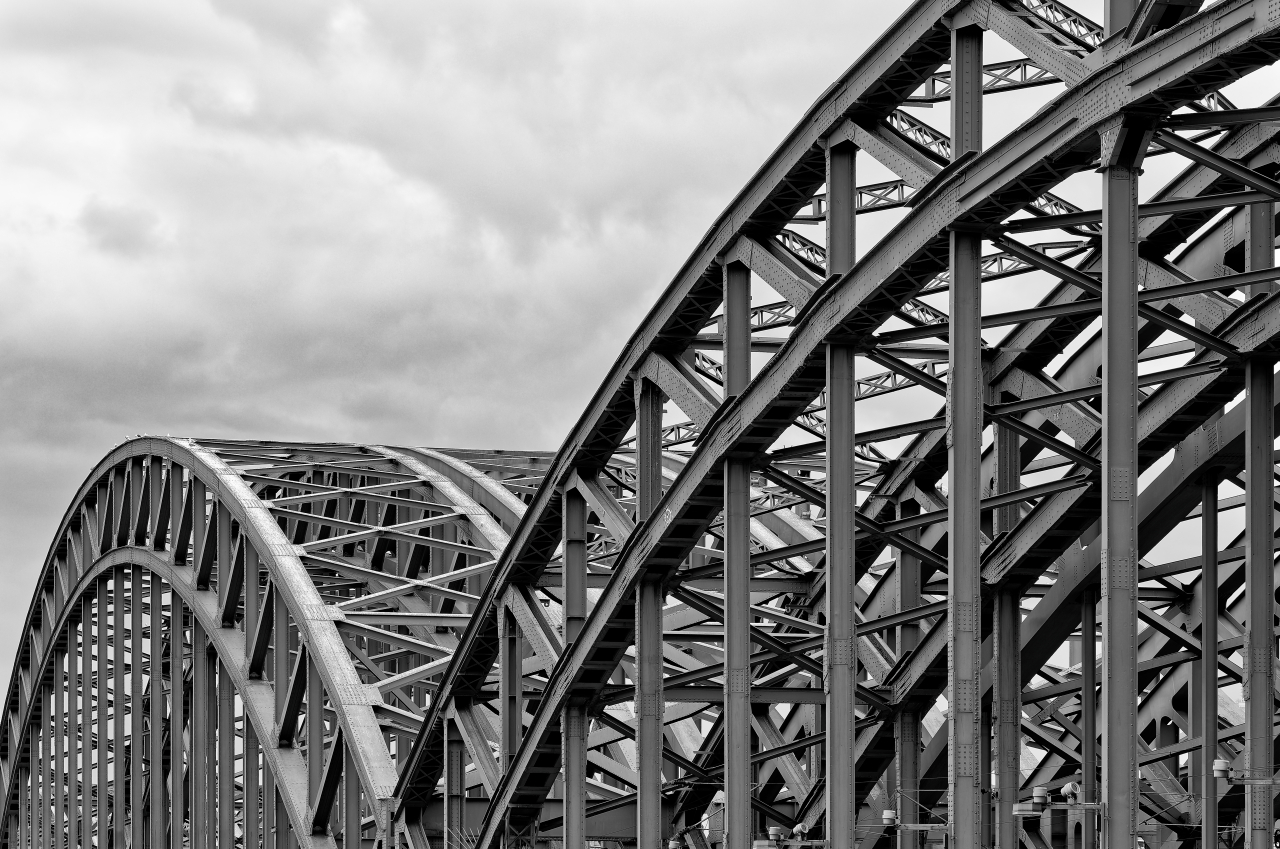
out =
column 839, row 546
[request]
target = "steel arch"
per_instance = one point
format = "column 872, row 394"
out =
column 1167, row 60
column 122, row 527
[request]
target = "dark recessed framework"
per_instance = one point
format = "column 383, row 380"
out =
column 724, row 606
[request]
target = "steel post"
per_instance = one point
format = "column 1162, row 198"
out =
column 1206, row 708
column 155, row 754
column 1260, row 592
column 510, row 682
column 737, row 574
column 1007, row 640
column 842, row 636
column 965, row 395
column 1089, row 712
column 226, row 759
column 59, row 762
column 1260, row 240
column 177, row 722
column 573, row 718
column 201, row 825
column 1119, row 606
column 120, row 696
column 137, row 697
column 842, row 200
column 906, row 722
column 101, row 627
column 649, row 602
column 455, row 786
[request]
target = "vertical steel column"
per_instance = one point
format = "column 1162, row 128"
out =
column 226, row 791
column 649, row 711
column 965, row 393
column 351, row 800
column 282, row 645
column 1008, row 655
column 156, row 645
column 1089, row 711
column 1208, row 689
column 137, row 696
column 1119, row 497
column 649, row 600
column 842, row 633
column 119, row 797
column 455, row 786
column 24, row 806
column 177, row 723
column 510, row 685
column 252, row 798
column 907, row 721
column 1259, row 525
column 59, row 767
column 46, row 767
column 315, row 727
column 200, row 719
column 101, row 696
column 1260, row 251
column 84, row 727
column 737, row 574
column 209, row 744
column 842, row 202
column 573, row 718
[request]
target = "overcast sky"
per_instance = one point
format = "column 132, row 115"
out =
column 406, row 222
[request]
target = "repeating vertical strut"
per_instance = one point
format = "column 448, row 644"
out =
column 965, row 396
column 738, row 785
column 1121, row 161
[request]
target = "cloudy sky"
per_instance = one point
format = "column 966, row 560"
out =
column 387, row 221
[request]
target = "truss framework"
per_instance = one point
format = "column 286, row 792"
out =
column 834, row 537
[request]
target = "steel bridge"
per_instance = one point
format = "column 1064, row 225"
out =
column 837, row 555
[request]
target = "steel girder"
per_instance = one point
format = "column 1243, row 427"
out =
column 1150, row 72
column 266, row 616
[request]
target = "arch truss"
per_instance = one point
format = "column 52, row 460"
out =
column 959, row 524
column 962, row 530
column 232, row 642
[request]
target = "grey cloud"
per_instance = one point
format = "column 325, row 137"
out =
column 119, row 228
column 386, row 222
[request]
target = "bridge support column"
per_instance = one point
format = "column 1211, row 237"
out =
column 101, row 628
column 1008, row 655
column 842, row 637
column 159, row 798
column 737, row 575
column 907, row 721
column 510, row 683
column 1260, row 592
column 965, row 393
column 455, row 786
column 1089, row 712
column 573, row 719
column 842, row 647
column 1206, row 689
column 1122, row 150
column 137, row 693
column 119, row 777
column 177, row 768
column 1260, row 251
column 649, row 601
